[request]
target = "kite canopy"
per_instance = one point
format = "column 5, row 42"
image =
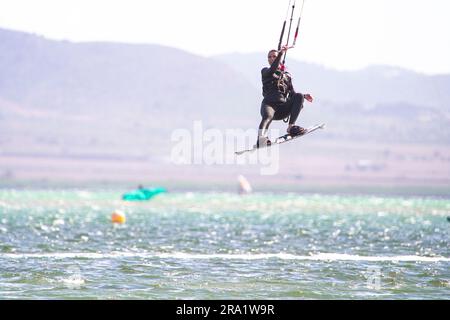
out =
column 142, row 194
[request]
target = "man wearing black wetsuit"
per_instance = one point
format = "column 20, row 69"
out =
column 280, row 99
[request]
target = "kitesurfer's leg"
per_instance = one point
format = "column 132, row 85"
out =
column 297, row 106
column 291, row 109
column 267, row 114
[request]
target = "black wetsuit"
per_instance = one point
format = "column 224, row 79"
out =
column 280, row 99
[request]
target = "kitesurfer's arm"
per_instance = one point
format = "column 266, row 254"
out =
column 275, row 64
column 291, row 87
column 307, row 96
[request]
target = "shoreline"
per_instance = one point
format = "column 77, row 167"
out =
column 182, row 186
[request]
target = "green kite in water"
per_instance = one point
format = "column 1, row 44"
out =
column 142, row 194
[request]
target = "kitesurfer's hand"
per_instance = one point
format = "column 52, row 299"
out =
column 285, row 48
column 308, row 97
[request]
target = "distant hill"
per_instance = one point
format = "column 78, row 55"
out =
column 60, row 94
column 83, row 77
column 379, row 103
column 60, row 97
column 369, row 87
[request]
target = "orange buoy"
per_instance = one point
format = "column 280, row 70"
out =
column 118, row 217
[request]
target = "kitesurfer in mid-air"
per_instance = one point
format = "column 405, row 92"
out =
column 280, row 99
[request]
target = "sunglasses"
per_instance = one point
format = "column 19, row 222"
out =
column 272, row 56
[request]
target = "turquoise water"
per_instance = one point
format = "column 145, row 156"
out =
column 61, row 245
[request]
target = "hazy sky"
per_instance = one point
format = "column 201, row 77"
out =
column 344, row 34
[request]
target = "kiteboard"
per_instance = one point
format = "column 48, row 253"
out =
column 284, row 138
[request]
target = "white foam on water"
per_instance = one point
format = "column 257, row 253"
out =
column 73, row 282
column 244, row 256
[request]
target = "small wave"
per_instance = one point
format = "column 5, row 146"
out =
column 73, row 282
column 195, row 256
